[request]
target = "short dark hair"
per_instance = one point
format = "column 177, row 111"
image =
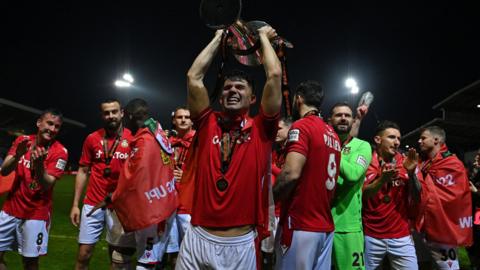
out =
column 312, row 93
column 52, row 111
column 340, row 104
column 137, row 107
column 110, row 100
column 287, row 120
column 237, row 75
column 181, row 107
column 436, row 130
column 384, row 125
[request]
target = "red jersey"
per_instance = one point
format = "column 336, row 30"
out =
column 385, row 214
column 27, row 199
column 309, row 206
column 240, row 195
column 94, row 156
column 278, row 160
column 446, row 203
column 180, row 146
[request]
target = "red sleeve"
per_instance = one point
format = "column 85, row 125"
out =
column 56, row 161
column 298, row 139
column 200, row 121
column 87, row 155
column 370, row 175
column 268, row 125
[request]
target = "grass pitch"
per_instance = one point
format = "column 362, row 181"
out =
column 62, row 243
column 63, row 246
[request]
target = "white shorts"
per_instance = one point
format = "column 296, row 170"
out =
column 91, row 228
column 445, row 256
column 150, row 244
column 116, row 236
column 29, row 237
column 308, row 250
column 179, row 226
column 400, row 252
column 202, row 250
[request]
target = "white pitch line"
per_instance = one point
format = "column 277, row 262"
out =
column 62, row 236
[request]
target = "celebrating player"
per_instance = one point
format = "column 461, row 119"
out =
column 38, row 161
column 230, row 159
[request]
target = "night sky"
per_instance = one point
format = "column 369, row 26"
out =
column 68, row 55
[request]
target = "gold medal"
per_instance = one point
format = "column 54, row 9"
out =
column 222, row 184
column 107, row 172
column 386, row 199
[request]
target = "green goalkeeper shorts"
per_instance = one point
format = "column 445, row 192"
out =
column 348, row 250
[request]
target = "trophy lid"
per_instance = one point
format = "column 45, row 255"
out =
column 219, row 14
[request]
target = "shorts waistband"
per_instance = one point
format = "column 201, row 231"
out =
column 228, row 241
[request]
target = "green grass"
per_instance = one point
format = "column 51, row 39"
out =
column 62, row 243
column 63, row 247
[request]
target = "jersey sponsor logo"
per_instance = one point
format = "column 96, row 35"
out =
column 116, row 155
column 161, row 191
column 25, row 162
column 362, row 161
column 398, row 183
column 120, row 155
column 61, row 164
column 293, row 135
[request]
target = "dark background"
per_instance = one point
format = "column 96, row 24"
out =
column 68, row 55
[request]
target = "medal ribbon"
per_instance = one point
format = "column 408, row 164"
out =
column 109, row 153
column 230, row 136
column 180, row 155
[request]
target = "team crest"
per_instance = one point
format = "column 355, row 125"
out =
column 165, row 158
column 346, row 150
column 124, row 143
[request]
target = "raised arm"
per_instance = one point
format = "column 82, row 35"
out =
column 197, row 97
column 272, row 94
column 357, row 121
column 410, row 164
column 354, row 168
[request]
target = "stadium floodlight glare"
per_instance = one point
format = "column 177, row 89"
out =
column 350, row 83
column 122, row 84
column 478, row 105
column 128, row 77
column 354, row 90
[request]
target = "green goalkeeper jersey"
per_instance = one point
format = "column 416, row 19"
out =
column 347, row 203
